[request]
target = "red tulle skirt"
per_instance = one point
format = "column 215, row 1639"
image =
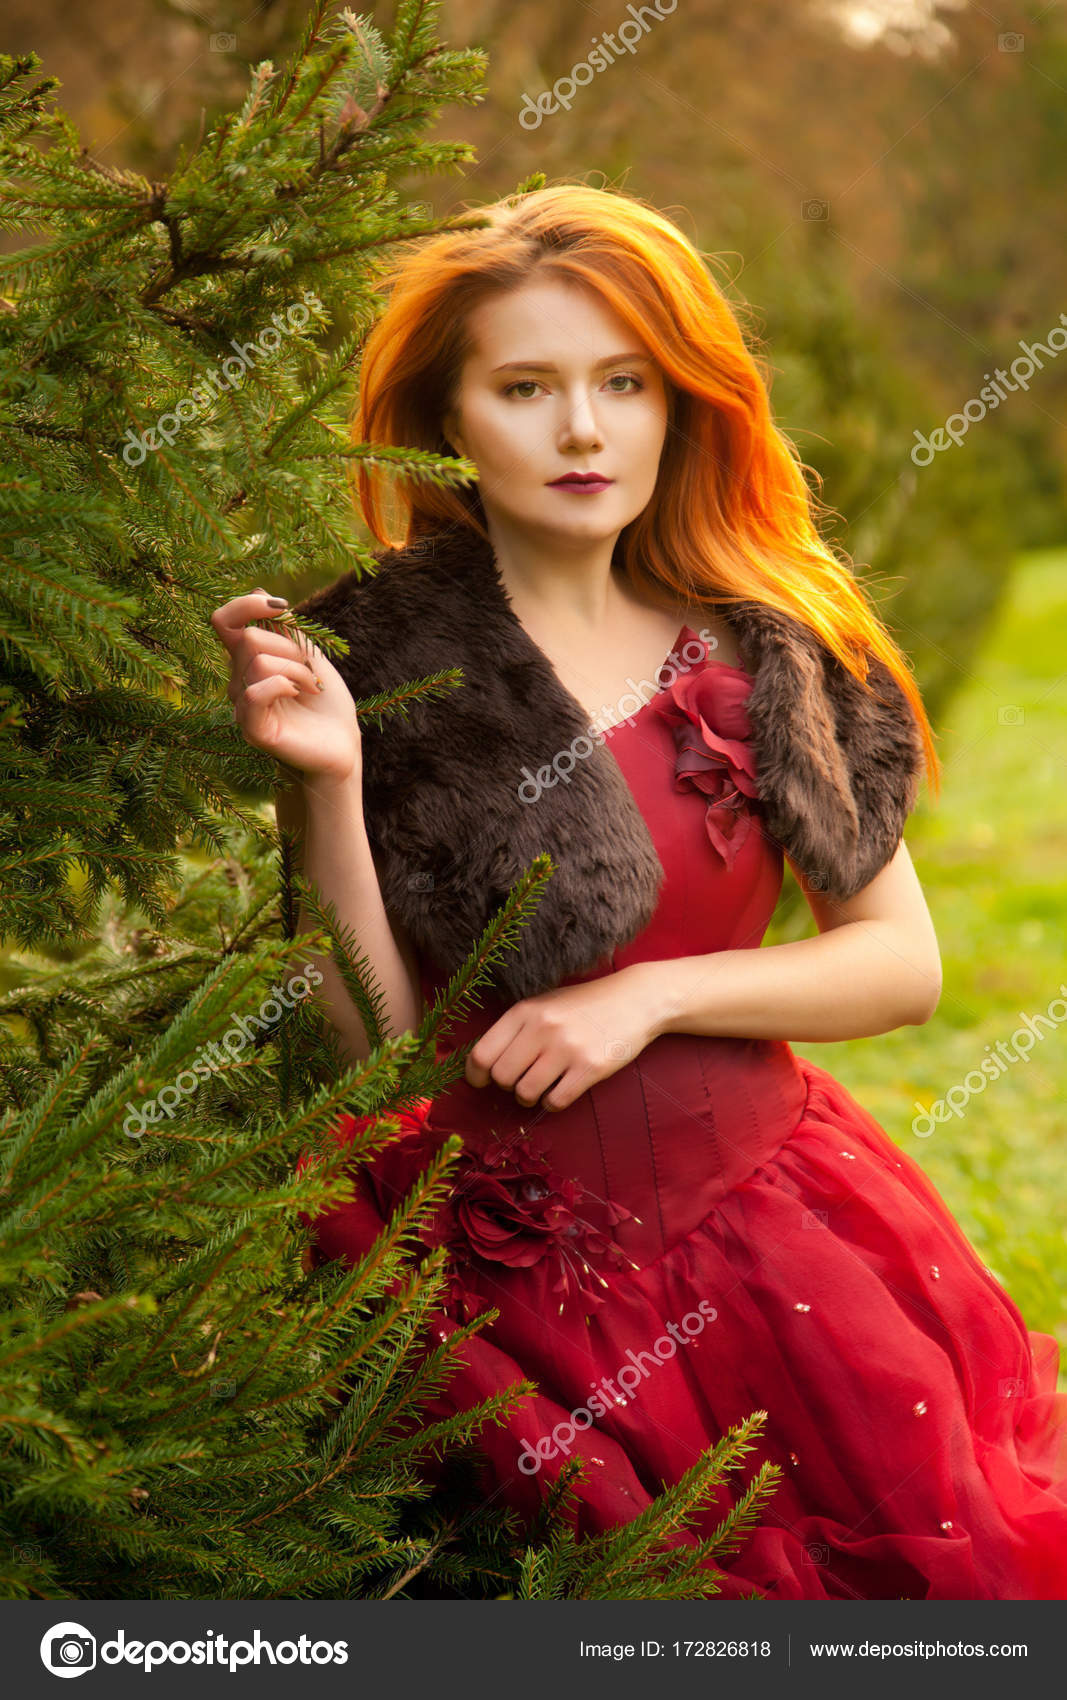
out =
column 915, row 1419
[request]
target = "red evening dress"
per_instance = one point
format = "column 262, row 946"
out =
column 717, row 1228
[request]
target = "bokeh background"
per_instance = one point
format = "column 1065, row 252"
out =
column 878, row 188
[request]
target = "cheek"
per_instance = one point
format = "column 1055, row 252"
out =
column 505, row 438
column 646, row 435
column 645, row 420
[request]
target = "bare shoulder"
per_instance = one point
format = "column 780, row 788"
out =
column 716, row 631
column 699, row 616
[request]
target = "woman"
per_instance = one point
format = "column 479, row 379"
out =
column 679, row 1220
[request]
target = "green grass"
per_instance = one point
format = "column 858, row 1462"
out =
column 992, row 858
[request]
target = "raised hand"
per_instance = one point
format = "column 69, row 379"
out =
column 288, row 698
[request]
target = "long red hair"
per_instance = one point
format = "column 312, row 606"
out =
column 731, row 518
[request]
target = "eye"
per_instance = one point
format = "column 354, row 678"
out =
column 627, row 378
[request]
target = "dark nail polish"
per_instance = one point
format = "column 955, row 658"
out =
column 277, row 602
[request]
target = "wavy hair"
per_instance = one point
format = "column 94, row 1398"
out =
column 731, row 518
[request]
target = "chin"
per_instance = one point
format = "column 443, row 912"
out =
column 539, row 518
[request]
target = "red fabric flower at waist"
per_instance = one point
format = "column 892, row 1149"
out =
column 507, row 1206
column 706, row 713
column 510, row 1206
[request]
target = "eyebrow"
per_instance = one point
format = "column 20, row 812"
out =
column 542, row 366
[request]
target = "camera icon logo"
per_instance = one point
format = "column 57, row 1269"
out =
column 68, row 1649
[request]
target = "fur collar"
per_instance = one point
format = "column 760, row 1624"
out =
column 838, row 769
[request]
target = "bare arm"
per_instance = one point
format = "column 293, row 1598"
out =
column 334, row 852
column 874, row 966
column 289, row 700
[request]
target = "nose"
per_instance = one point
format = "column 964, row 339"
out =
column 580, row 428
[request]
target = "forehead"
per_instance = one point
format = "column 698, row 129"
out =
column 549, row 321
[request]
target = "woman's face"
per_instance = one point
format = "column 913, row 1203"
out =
column 556, row 383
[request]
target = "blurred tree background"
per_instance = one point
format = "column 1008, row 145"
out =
column 878, row 187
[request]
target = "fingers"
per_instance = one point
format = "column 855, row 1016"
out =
column 261, row 695
column 257, row 652
column 260, row 640
column 230, row 622
column 267, row 664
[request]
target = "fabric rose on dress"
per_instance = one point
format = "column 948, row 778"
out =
column 509, row 1206
column 706, row 713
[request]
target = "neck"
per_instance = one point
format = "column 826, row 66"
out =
column 562, row 582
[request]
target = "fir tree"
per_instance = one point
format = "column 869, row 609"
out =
column 189, row 1410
